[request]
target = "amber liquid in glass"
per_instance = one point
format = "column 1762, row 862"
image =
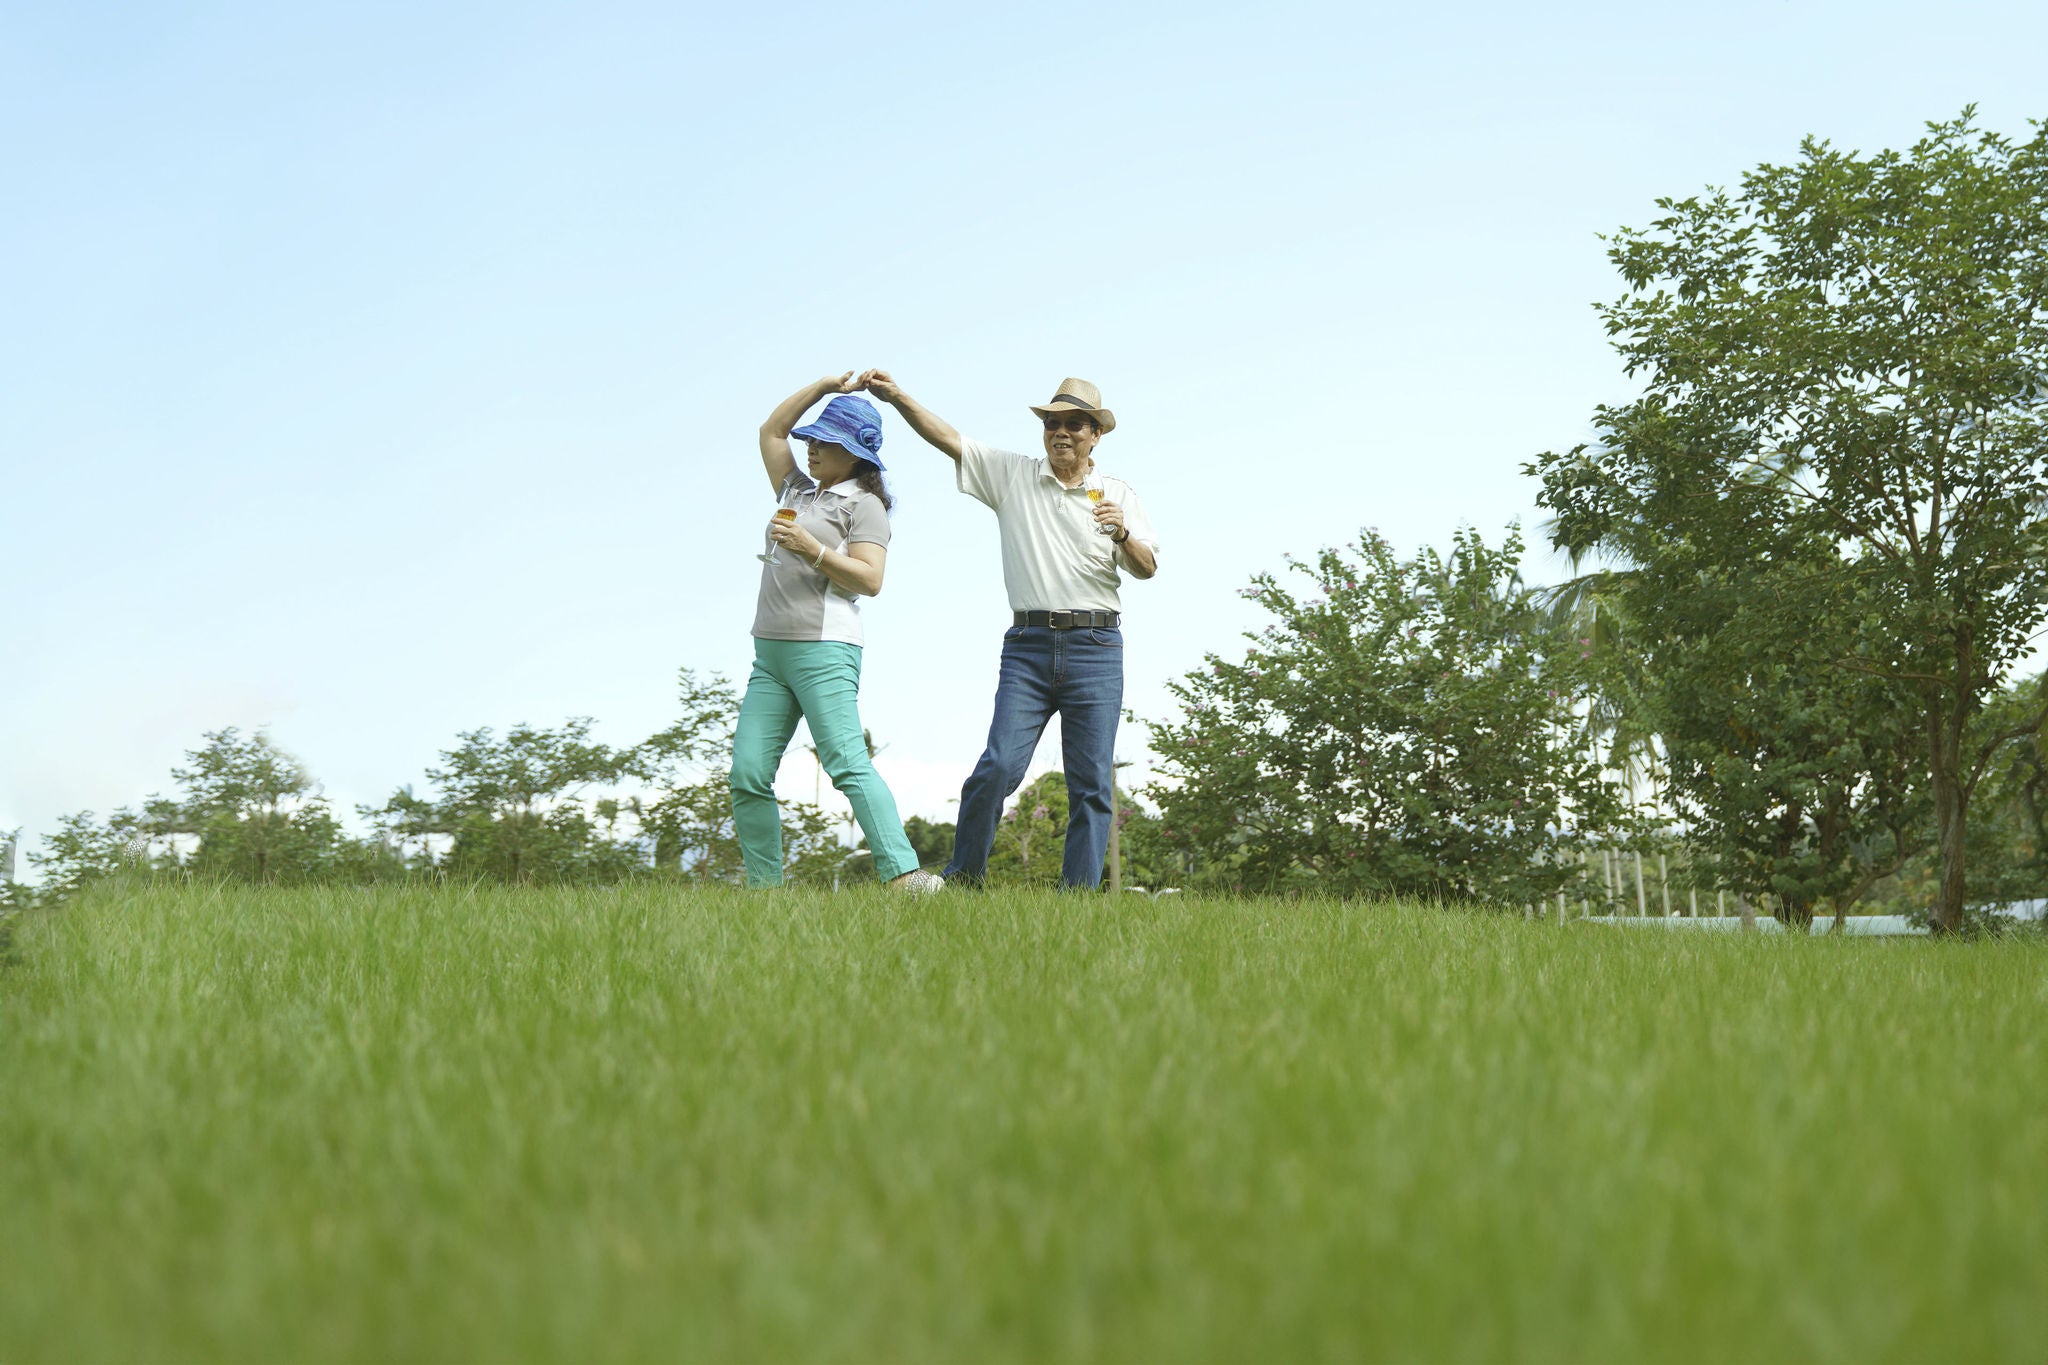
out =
column 1101, row 528
column 781, row 514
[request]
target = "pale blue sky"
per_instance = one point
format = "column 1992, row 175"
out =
column 375, row 372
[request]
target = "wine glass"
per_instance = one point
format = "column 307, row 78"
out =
column 1094, row 490
column 784, row 514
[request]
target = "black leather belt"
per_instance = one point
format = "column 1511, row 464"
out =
column 1070, row 620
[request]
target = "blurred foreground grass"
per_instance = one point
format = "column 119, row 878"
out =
column 641, row 1123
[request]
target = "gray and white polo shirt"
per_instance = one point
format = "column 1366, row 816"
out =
column 799, row 603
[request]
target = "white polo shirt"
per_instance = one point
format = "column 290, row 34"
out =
column 1054, row 559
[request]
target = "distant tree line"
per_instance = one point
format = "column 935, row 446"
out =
column 529, row 806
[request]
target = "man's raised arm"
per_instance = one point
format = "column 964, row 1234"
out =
column 937, row 431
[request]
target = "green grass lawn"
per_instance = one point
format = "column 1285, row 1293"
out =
column 409, row 1124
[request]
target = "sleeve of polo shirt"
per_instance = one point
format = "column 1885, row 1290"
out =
column 867, row 523
column 979, row 471
column 1136, row 522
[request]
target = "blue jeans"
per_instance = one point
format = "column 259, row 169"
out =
column 1080, row 675
column 818, row 680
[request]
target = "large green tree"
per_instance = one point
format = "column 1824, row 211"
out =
column 259, row 816
column 1845, row 361
column 1407, row 726
column 1792, row 779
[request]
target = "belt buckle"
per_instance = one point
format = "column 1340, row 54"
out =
column 1060, row 620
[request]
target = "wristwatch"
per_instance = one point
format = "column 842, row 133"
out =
column 1120, row 538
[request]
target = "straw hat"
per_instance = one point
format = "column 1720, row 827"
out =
column 1078, row 395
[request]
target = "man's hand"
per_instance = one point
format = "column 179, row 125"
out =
column 1136, row 554
column 845, row 383
column 936, row 432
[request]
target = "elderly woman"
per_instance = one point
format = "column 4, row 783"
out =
column 828, row 545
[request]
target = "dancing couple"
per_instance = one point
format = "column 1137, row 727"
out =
column 1068, row 533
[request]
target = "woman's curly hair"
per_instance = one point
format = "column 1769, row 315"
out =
column 869, row 480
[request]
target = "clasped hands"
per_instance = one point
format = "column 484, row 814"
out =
column 877, row 382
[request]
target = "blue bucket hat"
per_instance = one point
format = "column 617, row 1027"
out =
column 851, row 423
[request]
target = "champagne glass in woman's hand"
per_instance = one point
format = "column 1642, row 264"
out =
column 785, row 515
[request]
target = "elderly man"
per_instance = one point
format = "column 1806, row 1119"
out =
column 1068, row 530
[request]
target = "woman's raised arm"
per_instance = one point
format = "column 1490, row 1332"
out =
column 776, row 452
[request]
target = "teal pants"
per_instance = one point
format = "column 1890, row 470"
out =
column 818, row 680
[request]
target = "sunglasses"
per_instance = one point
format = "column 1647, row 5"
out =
column 1069, row 424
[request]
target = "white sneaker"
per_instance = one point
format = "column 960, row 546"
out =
column 921, row 883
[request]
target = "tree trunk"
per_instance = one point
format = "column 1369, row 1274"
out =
column 1949, row 814
column 1945, row 735
column 1798, row 914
